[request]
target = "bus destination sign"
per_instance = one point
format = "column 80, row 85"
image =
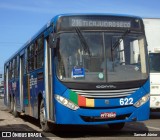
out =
column 68, row 23
column 75, row 22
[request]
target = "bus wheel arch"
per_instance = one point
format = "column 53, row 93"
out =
column 40, row 98
column 45, row 126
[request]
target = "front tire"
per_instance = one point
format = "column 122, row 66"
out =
column 42, row 117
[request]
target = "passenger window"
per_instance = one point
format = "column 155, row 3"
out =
column 40, row 52
column 10, row 70
column 31, row 57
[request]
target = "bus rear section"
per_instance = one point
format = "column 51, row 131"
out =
column 154, row 80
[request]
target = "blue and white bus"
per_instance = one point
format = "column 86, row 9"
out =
column 87, row 69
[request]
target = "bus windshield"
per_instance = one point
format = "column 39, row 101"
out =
column 93, row 57
column 154, row 62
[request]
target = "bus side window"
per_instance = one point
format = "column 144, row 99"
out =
column 31, row 57
column 36, row 56
column 40, row 52
column 13, row 63
column 26, row 62
column 17, row 64
column 15, row 67
column 10, row 70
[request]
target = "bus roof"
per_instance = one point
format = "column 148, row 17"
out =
column 54, row 20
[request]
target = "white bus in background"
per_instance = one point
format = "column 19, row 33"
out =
column 152, row 30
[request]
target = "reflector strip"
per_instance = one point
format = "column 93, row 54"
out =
column 89, row 102
column 73, row 97
column 80, row 100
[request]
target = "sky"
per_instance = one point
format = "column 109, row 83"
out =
column 21, row 19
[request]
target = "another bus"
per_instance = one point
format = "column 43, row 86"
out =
column 154, row 80
column 152, row 30
column 87, row 69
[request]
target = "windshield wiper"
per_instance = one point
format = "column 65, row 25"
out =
column 83, row 41
column 117, row 43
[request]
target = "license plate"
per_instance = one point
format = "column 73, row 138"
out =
column 108, row 115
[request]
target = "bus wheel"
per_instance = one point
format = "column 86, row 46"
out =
column 42, row 116
column 116, row 126
column 14, row 112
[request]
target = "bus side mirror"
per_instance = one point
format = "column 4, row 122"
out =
column 52, row 42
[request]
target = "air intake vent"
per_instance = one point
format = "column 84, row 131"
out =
column 105, row 93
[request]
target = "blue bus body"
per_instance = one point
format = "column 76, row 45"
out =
column 92, row 116
column 69, row 102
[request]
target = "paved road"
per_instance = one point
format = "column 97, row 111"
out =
column 28, row 124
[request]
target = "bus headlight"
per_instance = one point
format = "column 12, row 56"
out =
column 66, row 102
column 141, row 101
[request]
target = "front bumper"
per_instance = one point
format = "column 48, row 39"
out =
column 84, row 116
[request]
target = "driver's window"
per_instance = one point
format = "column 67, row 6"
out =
column 134, row 52
column 118, row 53
column 121, row 52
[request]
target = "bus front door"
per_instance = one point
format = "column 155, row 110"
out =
column 48, row 81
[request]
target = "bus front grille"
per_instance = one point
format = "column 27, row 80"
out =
column 105, row 93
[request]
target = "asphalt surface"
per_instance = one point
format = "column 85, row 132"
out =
column 28, row 128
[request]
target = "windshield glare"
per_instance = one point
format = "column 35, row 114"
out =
column 92, row 58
